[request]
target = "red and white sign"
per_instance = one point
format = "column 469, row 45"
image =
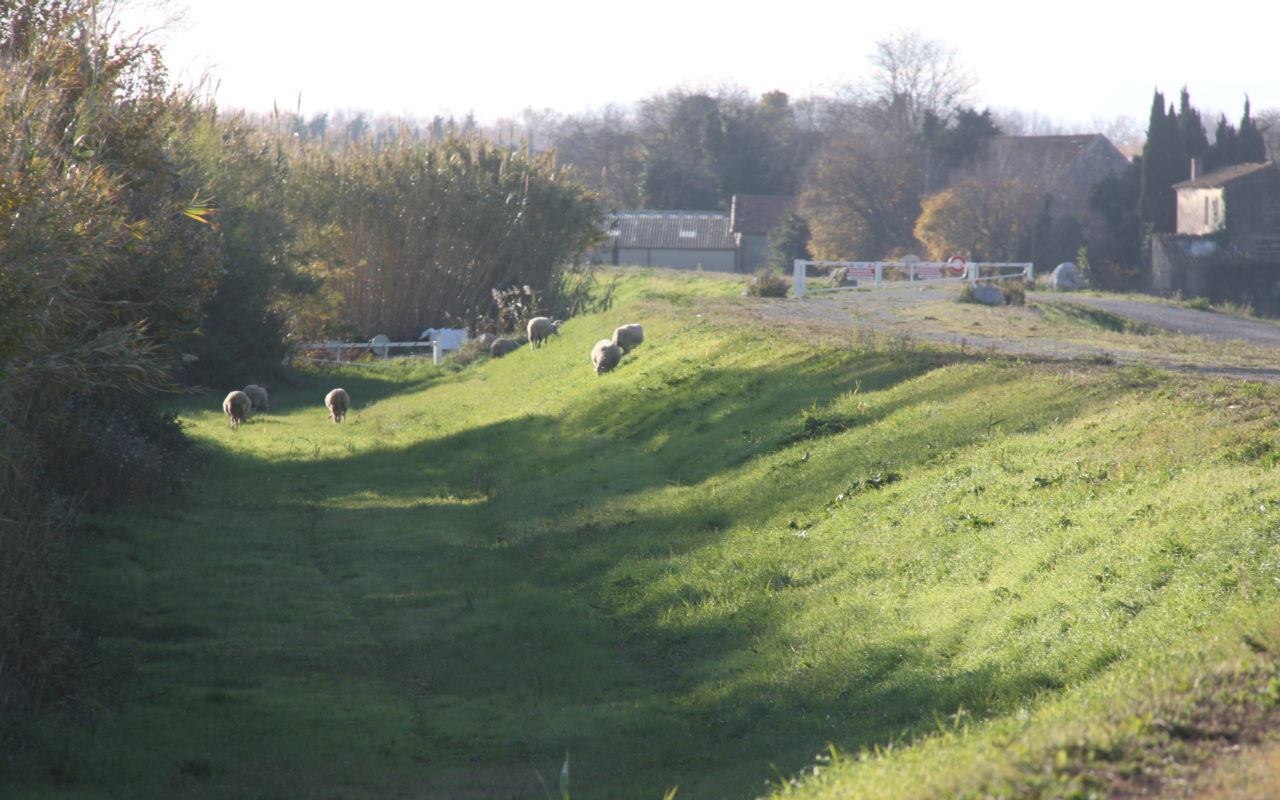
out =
column 957, row 265
column 859, row 273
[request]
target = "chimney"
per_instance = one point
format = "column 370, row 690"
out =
column 1195, row 168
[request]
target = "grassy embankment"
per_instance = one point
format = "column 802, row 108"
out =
column 966, row 575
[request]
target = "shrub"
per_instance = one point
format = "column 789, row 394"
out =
column 766, row 283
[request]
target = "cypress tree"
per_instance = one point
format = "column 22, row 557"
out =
column 1225, row 150
column 1251, row 147
column 1164, row 163
column 1190, row 129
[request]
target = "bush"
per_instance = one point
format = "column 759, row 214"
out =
column 766, row 283
column 1015, row 292
column 111, row 451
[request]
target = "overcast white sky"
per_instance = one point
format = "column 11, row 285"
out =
column 1076, row 64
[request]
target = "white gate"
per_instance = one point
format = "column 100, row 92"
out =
column 842, row 275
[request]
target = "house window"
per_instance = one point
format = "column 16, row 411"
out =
column 1206, row 212
column 1215, row 211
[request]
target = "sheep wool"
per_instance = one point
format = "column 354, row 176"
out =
column 628, row 336
column 236, row 406
column 337, row 401
column 540, row 329
column 605, row 355
column 257, row 396
column 502, row 346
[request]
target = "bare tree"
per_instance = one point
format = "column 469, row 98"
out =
column 913, row 75
column 1268, row 121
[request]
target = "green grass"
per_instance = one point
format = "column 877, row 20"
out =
column 964, row 576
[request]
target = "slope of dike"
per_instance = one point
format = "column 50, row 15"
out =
column 749, row 561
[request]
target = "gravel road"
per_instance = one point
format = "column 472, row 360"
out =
column 879, row 310
column 1181, row 319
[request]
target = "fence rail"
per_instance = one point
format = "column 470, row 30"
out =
column 440, row 340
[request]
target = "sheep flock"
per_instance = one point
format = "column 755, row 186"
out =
column 606, row 355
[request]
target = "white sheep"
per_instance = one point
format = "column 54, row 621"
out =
column 628, row 336
column 337, row 401
column 605, row 355
column 236, row 406
column 502, row 346
column 540, row 329
column 257, row 396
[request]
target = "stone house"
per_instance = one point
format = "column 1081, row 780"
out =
column 1227, row 245
column 1241, row 201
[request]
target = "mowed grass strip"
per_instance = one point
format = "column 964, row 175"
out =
column 702, row 570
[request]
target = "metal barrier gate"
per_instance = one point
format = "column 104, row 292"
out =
column 844, row 275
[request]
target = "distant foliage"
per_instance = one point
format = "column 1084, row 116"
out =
column 415, row 234
column 982, row 219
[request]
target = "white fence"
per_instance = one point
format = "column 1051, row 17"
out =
column 842, row 275
column 438, row 339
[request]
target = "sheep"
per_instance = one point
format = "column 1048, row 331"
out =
column 236, row 406
column 257, row 396
column 502, row 346
column 487, row 340
column 628, row 336
column 337, row 401
column 605, row 355
column 540, row 329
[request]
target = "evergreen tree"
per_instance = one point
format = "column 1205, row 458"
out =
column 1225, row 148
column 787, row 242
column 1252, row 148
column 1164, row 163
column 1190, row 129
column 949, row 147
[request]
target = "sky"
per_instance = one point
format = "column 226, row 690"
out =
column 1076, row 65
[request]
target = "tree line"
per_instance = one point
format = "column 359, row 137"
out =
column 899, row 164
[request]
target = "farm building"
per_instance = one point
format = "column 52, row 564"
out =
column 726, row 242
column 1227, row 247
column 1067, row 166
column 682, row 239
column 1242, row 201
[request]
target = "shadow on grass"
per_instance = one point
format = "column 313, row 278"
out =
column 493, row 566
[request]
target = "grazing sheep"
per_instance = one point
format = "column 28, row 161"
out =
column 257, row 395
column 540, row 329
column 605, row 355
column 487, row 340
column 236, row 406
column 628, row 336
column 502, row 346
column 337, row 401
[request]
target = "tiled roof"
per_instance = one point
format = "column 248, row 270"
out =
column 671, row 230
column 1223, row 176
column 758, row 213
